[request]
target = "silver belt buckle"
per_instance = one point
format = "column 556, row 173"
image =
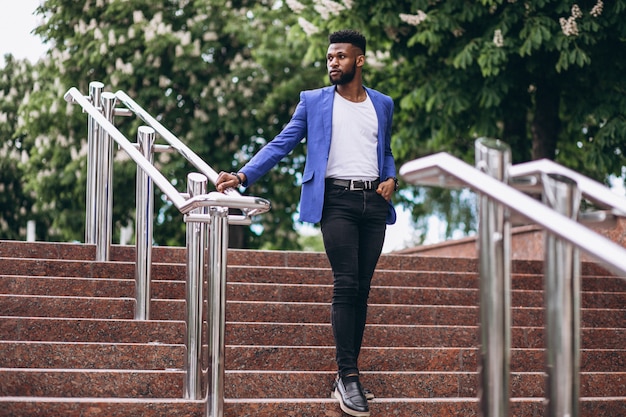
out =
column 363, row 185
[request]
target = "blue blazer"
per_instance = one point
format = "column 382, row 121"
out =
column 313, row 119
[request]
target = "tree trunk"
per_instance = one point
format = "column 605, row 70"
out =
column 546, row 124
column 515, row 134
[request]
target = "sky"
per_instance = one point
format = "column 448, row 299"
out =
column 16, row 24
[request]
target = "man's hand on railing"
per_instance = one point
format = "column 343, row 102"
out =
column 226, row 180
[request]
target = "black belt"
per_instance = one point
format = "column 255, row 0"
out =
column 354, row 185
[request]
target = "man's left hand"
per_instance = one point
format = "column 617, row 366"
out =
column 386, row 188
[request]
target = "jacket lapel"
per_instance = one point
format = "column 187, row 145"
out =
column 328, row 95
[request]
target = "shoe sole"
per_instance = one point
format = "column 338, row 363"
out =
column 348, row 410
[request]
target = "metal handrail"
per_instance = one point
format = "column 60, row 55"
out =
column 498, row 201
column 73, row 95
column 199, row 209
column 527, row 177
column 194, row 159
column 444, row 170
column 255, row 205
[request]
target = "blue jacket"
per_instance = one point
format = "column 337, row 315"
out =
column 313, row 119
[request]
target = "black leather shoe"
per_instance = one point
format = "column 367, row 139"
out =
column 351, row 399
column 369, row 395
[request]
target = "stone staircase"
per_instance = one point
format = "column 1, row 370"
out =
column 69, row 345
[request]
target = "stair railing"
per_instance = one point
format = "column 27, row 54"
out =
column 199, row 209
column 498, row 203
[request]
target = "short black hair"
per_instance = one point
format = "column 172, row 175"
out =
column 348, row 36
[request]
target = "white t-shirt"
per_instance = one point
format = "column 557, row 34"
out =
column 353, row 147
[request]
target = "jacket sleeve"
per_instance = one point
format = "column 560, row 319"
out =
column 389, row 166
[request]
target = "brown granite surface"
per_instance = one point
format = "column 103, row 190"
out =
column 527, row 242
column 428, row 407
column 67, row 329
column 91, row 330
column 78, row 355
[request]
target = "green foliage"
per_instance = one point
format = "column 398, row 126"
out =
column 543, row 76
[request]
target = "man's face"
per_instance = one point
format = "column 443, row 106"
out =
column 341, row 62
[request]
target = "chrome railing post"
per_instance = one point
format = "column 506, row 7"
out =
column 196, row 244
column 218, row 249
column 104, row 185
column 95, row 91
column 494, row 157
column 144, row 218
column 562, row 302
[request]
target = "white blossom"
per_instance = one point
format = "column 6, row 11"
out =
column 322, row 10
column 196, row 48
column 185, row 38
column 164, row 81
column 138, row 16
column 209, row 36
column 413, row 19
column 596, row 11
column 569, row 26
column 333, row 7
column 576, row 13
column 498, row 39
column 112, row 38
column 80, row 28
column 348, row 3
column 295, row 6
column 122, row 67
column 308, row 27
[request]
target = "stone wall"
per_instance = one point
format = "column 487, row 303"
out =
column 526, row 242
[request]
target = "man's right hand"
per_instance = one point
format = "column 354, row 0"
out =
column 227, row 180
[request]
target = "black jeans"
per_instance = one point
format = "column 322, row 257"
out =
column 353, row 229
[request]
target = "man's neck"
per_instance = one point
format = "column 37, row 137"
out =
column 352, row 92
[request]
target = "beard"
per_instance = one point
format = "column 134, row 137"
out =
column 345, row 77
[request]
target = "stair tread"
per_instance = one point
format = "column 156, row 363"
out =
column 420, row 353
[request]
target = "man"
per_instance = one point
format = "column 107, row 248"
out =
column 347, row 184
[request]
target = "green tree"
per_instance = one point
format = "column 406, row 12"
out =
column 544, row 76
column 190, row 64
column 16, row 203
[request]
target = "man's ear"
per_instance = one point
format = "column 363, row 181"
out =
column 360, row 60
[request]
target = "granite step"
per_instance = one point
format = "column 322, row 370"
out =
column 304, row 407
column 298, row 312
column 406, row 335
column 302, row 334
column 285, row 275
column 385, row 301
column 155, row 356
column 405, row 359
column 121, row 383
column 91, row 330
column 55, row 250
column 318, row 384
column 419, row 355
column 90, row 355
column 15, row 382
column 20, row 304
column 98, row 407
